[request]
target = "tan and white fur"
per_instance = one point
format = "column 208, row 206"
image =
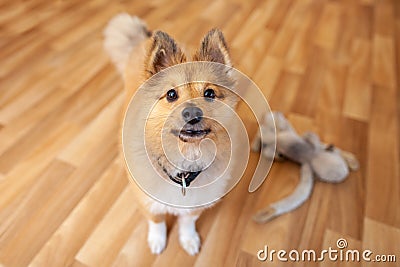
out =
column 320, row 161
column 138, row 55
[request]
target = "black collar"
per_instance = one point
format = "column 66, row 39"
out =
column 190, row 176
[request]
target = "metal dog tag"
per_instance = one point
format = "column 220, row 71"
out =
column 183, row 186
column 184, row 177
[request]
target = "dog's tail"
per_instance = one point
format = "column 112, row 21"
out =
column 291, row 202
column 122, row 33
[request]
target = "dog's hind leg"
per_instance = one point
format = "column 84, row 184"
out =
column 188, row 236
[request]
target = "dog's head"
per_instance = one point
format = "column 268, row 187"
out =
column 190, row 108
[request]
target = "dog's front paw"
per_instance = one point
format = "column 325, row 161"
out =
column 190, row 242
column 157, row 243
column 157, row 237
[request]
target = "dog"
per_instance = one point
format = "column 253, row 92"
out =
column 139, row 55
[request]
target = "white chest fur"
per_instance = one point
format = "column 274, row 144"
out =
column 160, row 208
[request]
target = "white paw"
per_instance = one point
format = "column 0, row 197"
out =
column 157, row 237
column 190, row 243
column 157, row 243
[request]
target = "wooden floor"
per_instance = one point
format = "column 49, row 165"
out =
column 331, row 66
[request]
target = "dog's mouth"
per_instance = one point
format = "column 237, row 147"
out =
column 187, row 134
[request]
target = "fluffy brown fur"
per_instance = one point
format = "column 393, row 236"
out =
column 147, row 57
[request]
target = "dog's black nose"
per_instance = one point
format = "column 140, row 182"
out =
column 192, row 115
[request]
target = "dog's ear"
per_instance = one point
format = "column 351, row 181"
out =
column 213, row 48
column 163, row 53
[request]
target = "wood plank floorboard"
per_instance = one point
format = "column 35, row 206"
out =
column 332, row 66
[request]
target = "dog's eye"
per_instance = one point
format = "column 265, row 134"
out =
column 209, row 93
column 172, row 95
